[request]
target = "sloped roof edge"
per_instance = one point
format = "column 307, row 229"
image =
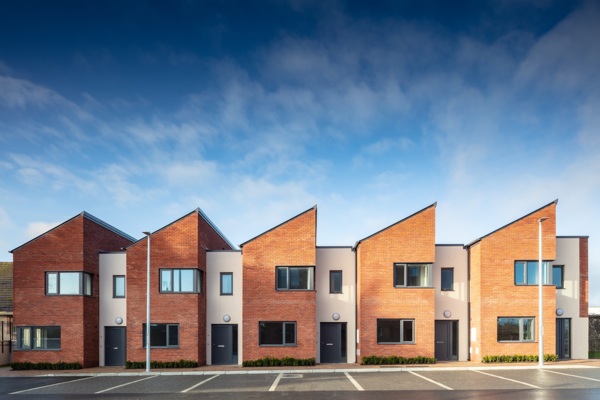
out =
column 88, row 216
column 510, row 223
column 394, row 224
column 203, row 215
column 277, row 226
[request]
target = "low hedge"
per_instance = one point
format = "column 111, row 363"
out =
column 396, row 360
column 161, row 364
column 517, row 358
column 26, row 365
column 279, row 362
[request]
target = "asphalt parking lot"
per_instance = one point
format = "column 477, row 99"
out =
column 381, row 380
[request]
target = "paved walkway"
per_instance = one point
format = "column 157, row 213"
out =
column 235, row 369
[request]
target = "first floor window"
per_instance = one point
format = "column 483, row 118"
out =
column 162, row 335
column 277, row 333
column 68, row 283
column 558, row 277
column 181, row 280
column 38, row 337
column 412, row 275
column 226, row 283
column 118, row 285
column 395, row 331
column 526, row 273
column 335, row 281
column 516, row 329
column 447, row 278
column 295, row 278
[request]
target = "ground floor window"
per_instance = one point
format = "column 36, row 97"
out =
column 277, row 333
column 395, row 331
column 162, row 335
column 38, row 337
column 516, row 329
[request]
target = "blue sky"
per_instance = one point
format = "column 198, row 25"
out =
column 139, row 112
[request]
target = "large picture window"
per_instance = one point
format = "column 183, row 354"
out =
column 68, row 283
column 162, row 335
column 38, row 337
column 181, row 280
column 412, row 275
column 516, row 329
column 295, row 278
column 395, row 331
column 526, row 273
column 277, row 333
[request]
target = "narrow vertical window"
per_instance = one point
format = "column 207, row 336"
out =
column 447, row 278
column 558, row 278
column 118, row 285
column 226, row 283
column 335, row 281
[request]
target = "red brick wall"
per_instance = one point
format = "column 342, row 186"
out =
column 409, row 241
column 290, row 244
column 583, row 277
column 181, row 244
column 73, row 246
column 494, row 293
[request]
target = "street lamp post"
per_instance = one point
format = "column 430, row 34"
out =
column 148, row 305
column 540, row 297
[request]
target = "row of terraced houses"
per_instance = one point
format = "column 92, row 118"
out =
column 80, row 293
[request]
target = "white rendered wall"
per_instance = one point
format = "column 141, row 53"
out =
column 567, row 254
column 111, row 308
column 218, row 306
column 337, row 259
column 455, row 301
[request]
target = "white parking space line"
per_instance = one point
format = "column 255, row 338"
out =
column 274, row 385
column 125, row 384
column 508, row 379
column 200, row 383
column 432, row 381
column 575, row 376
column 54, row 384
column 356, row 384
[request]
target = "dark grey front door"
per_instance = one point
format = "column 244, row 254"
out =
column 114, row 345
column 222, row 344
column 331, row 342
column 563, row 338
column 446, row 340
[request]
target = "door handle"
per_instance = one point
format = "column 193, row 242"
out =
column 115, row 348
column 329, row 344
column 221, row 345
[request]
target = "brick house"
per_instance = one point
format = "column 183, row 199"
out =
column 395, row 292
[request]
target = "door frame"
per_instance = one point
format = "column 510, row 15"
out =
column 232, row 333
column 123, row 344
column 452, row 342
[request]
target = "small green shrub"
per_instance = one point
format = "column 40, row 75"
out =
column 161, row 364
column 517, row 358
column 397, row 360
column 26, row 365
column 279, row 362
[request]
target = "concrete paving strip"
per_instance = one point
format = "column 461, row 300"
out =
column 353, row 381
column 574, row 376
column 200, row 383
column 507, row 379
column 128, row 383
column 431, row 380
column 274, row 385
column 54, row 384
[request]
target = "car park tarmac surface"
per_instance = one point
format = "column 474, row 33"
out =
column 497, row 382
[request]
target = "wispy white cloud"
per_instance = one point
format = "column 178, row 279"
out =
column 34, row 229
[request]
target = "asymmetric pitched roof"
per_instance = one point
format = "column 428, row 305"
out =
column 87, row 216
column 510, row 223
column 394, row 224
column 204, row 217
column 277, row 226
